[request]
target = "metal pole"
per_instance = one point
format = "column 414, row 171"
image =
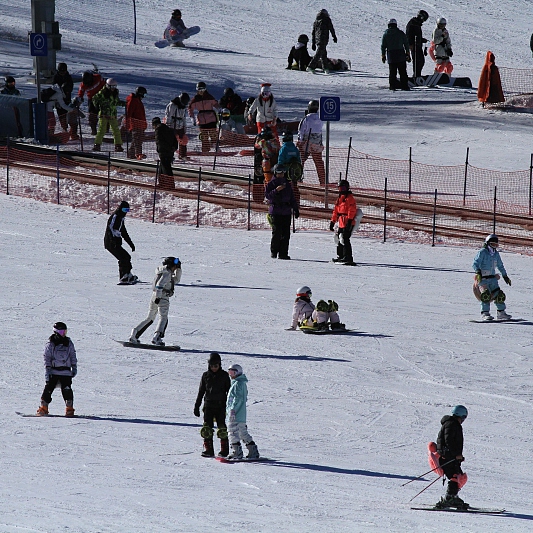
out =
column 7, row 168
column 157, row 172
column 428, row 472
column 348, row 157
column 434, row 218
column 425, row 488
column 108, row 182
column 134, row 23
column 410, row 168
column 494, row 212
column 327, row 152
column 198, row 198
column 57, row 172
column 466, row 174
column 249, row 200
column 385, row 213
column 530, row 180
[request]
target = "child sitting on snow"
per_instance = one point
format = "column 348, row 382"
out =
column 304, row 312
column 299, row 57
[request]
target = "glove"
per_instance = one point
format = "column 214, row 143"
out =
column 349, row 223
column 332, row 226
column 296, row 214
column 335, row 40
column 507, row 280
column 460, row 458
column 157, row 300
column 232, row 416
column 313, row 47
column 196, row 410
column 74, row 371
column 47, row 373
column 408, row 59
column 132, row 247
column 450, row 53
column 478, row 276
column 383, row 59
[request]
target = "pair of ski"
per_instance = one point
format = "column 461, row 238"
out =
column 470, row 510
column 243, row 460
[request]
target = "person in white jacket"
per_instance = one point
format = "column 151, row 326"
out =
column 56, row 100
column 303, row 307
column 310, row 139
column 441, row 47
column 176, row 118
column 267, row 110
column 166, row 276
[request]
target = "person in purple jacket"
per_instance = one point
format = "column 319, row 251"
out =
column 282, row 202
column 60, row 366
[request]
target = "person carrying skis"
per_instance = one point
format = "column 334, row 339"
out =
column 60, row 366
column 310, row 139
column 236, row 412
column 413, row 31
column 107, row 100
column 203, row 108
column 450, row 451
column 115, row 231
column 486, row 262
column 213, row 390
column 441, row 47
column 395, row 51
column 265, row 109
column 166, row 277
column 136, row 122
column 322, row 27
column 299, row 57
column 344, row 213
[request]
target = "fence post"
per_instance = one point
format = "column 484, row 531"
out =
column 494, row 212
column 79, row 128
column 157, row 171
column 385, row 212
column 108, row 182
column 348, row 158
column 198, row 198
column 249, row 200
column 410, row 167
column 434, row 218
column 530, row 180
column 57, row 172
column 217, row 146
column 7, row 167
column 466, row 174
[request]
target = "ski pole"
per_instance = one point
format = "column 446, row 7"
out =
column 429, row 471
column 418, row 494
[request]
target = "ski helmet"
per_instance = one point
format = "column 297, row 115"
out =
column 266, row 133
column 441, row 21
column 392, row 22
column 280, row 169
column 491, row 239
column 62, row 67
column 184, row 98
column 344, row 186
column 265, row 90
column 87, row 78
column 303, row 38
column 304, row 291
column 60, row 326
column 313, row 106
column 423, row 15
column 237, row 369
column 9, row 79
column 287, row 137
column 201, row 86
column 141, row 91
column 225, row 114
column 176, row 13
column 461, row 411
column 228, row 92
column 323, row 13
column 111, row 83
column 171, row 261
column 214, row 359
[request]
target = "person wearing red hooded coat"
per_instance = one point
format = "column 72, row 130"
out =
column 490, row 85
column 136, row 122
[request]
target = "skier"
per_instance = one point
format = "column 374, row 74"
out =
column 267, row 110
column 344, row 213
column 203, row 109
column 9, row 87
column 213, row 390
column 322, row 27
column 166, row 145
column 114, row 233
column 234, row 104
column 486, row 262
column 63, row 78
column 106, row 101
column 299, row 57
column 282, row 202
column 91, row 83
column 395, row 51
column 441, row 47
column 166, row 277
column 175, row 118
column 310, row 139
column 176, row 30
column 450, row 448
column 60, row 366
column 136, row 122
column 236, row 411
column 413, row 30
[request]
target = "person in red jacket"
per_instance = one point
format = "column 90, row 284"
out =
column 91, row 83
column 344, row 213
column 136, row 122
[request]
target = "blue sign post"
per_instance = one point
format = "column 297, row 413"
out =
column 38, row 44
column 330, row 110
column 39, row 48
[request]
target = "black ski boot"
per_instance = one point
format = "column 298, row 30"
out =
column 209, row 451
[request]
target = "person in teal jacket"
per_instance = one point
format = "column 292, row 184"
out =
column 236, row 414
column 289, row 156
column 485, row 264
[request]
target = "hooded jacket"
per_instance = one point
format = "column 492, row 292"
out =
column 60, row 356
column 213, row 389
column 135, row 113
column 487, row 262
column 165, row 141
column 450, row 439
column 175, row 115
column 237, row 397
column 490, row 85
column 322, row 27
column 107, row 102
column 267, row 110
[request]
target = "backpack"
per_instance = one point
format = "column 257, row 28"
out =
column 295, row 170
column 46, row 94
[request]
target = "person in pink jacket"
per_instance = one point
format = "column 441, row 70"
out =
column 203, row 109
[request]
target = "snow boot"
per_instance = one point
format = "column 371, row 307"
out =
column 96, row 147
column 69, row 409
column 43, row 409
column 73, row 135
column 158, row 339
column 133, row 337
column 209, row 451
column 182, row 152
column 140, row 157
column 118, row 148
column 224, row 448
column 451, row 500
column 485, row 315
column 502, row 315
column 253, row 452
column 236, row 451
column 337, row 325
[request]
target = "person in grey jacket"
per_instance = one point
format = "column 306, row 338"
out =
column 60, row 366
column 322, row 27
column 395, row 51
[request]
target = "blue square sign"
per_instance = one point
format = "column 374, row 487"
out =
column 330, row 108
column 38, row 44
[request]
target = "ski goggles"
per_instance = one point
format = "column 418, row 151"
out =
column 125, row 209
column 61, row 332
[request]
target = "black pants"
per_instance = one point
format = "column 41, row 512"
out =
column 281, row 234
column 66, row 388
column 401, row 68
column 450, row 471
column 418, row 62
column 124, row 259
column 136, row 146
column 344, row 251
column 215, row 413
column 321, row 57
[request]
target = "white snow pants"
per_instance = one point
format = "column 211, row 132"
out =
column 238, row 431
column 162, row 308
column 324, row 316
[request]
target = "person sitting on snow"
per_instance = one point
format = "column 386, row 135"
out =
column 299, row 57
column 304, row 312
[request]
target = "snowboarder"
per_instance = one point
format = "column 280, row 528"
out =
column 60, row 366
column 310, row 139
column 299, row 57
column 413, row 30
column 395, row 51
column 282, row 204
column 303, row 308
column 213, row 390
column 176, row 30
column 450, row 448
column 175, row 118
column 166, row 277
column 9, row 87
column 234, row 104
column 344, row 213
column 114, row 233
column 486, row 262
column 304, row 312
column 236, row 412
column 136, row 122
column 490, row 85
column 106, row 101
column 92, row 83
column 63, row 78
column 322, row 27
column 441, row 47
column 166, row 144
column 266, row 108
column 203, row 109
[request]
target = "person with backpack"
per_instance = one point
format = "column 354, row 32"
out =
column 299, row 57
column 176, row 119
column 322, row 27
column 395, row 51
column 60, row 366
column 107, row 100
column 310, row 139
column 136, row 122
column 289, row 157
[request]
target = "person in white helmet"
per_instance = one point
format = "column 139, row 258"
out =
column 441, row 47
column 107, row 101
column 395, row 51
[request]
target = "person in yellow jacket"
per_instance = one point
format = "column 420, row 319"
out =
column 344, row 214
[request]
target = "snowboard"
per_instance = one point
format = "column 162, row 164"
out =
column 189, row 32
column 243, row 460
column 171, row 348
column 470, row 510
column 314, row 331
column 499, row 321
column 25, row 415
column 129, row 282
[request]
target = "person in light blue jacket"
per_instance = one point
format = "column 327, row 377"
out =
column 236, row 414
column 485, row 264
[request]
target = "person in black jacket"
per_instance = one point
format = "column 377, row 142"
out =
column 233, row 102
column 115, row 231
column 450, row 449
column 299, row 54
column 213, row 390
column 166, row 145
column 413, row 30
column 322, row 27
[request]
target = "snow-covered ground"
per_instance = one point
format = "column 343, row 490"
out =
column 345, row 419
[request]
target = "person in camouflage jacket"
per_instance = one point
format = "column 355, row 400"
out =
column 106, row 101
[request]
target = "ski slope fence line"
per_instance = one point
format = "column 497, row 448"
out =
column 517, row 86
column 401, row 200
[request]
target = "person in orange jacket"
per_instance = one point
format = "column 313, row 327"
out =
column 344, row 213
column 490, row 85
